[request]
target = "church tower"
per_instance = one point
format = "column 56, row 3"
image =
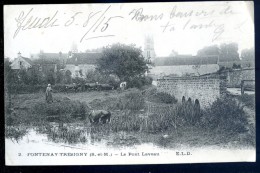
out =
column 149, row 52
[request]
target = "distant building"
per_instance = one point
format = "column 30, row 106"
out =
column 80, row 63
column 185, row 60
column 21, row 63
column 184, row 65
column 149, row 52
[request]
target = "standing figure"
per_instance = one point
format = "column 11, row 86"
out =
column 242, row 87
column 48, row 94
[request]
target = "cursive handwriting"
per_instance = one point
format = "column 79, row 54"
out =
column 101, row 24
column 25, row 22
column 140, row 17
column 96, row 24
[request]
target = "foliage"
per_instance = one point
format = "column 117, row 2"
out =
column 78, row 80
column 225, row 115
column 68, row 78
column 133, row 100
column 64, row 109
column 247, row 100
column 15, row 133
column 139, row 82
column 162, row 97
column 189, row 112
column 248, row 54
column 226, row 52
column 236, row 66
column 67, row 135
column 153, row 123
column 124, row 61
column 209, row 50
column 93, row 76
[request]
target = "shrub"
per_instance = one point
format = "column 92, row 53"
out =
column 64, row 109
column 93, row 76
column 162, row 97
column 138, row 82
column 15, row 133
column 225, row 115
column 248, row 100
column 151, row 124
column 189, row 113
column 131, row 101
column 126, row 123
column 23, row 89
column 67, row 135
column 109, row 103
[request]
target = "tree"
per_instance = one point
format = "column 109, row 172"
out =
column 10, row 80
column 209, row 50
column 226, row 52
column 124, row 61
column 229, row 52
column 248, row 54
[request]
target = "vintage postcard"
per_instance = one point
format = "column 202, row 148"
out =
column 129, row 83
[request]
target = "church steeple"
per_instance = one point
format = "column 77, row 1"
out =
column 149, row 52
column 74, row 48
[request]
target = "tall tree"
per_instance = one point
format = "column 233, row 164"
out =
column 226, row 52
column 248, row 54
column 124, row 61
column 209, row 50
column 248, row 57
column 229, row 52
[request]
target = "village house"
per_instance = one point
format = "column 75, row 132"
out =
column 72, row 63
column 21, row 63
column 78, row 64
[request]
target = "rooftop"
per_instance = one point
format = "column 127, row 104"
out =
column 186, row 60
column 84, row 58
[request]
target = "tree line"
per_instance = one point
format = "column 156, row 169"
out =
column 209, row 55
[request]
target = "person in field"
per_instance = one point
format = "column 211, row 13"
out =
column 48, row 94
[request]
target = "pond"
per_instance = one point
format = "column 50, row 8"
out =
column 76, row 139
column 76, row 136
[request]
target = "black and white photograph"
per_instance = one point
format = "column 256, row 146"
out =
column 129, row 83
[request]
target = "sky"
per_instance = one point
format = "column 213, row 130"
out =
column 184, row 27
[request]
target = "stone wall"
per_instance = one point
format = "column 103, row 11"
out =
column 236, row 76
column 205, row 88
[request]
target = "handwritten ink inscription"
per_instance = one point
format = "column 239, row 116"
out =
column 96, row 24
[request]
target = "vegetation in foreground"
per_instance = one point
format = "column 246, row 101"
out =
column 224, row 123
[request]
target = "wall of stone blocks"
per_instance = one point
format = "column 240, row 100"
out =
column 206, row 89
column 234, row 77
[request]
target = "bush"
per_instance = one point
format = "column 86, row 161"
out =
column 131, row 101
column 126, row 123
column 107, row 104
column 15, row 133
column 189, row 113
column 225, row 115
column 248, row 100
column 63, row 109
column 138, row 82
column 162, row 97
column 93, row 76
column 151, row 124
column 23, row 89
column 79, row 80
